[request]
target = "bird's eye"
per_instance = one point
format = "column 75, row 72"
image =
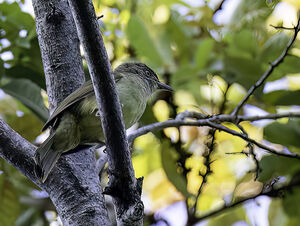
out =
column 147, row 73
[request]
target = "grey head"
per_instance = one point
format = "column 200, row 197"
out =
column 145, row 72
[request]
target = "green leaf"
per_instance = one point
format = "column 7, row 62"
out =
column 203, row 52
column 290, row 65
column 291, row 202
column 180, row 36
column 29, row 94
column 141, row 40
column 273, row 165
column 286, row 134
column 277, row 216
column 9, row 203
column 1, row 68
column 169, row 163
column 242, row 70
column 229, row 217
column 273, row 47
column 23, row 72
column 12, row 14
column 242, row 44
column 282, row 97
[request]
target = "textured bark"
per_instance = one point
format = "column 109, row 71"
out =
column 17, row 151
column 73, row 186
column 59, row 46
column 123, row 186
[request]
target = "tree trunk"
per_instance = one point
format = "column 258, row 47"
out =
column 73, row 185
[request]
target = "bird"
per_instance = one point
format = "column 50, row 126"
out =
column 76, row 119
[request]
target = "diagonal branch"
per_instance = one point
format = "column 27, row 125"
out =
column 17, row 151
column 123, row 186
column 269, row 71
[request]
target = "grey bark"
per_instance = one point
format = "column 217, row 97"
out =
column 123, row 186
column 73, row 185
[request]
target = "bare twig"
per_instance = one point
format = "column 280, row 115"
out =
column 208, row 161
column 208, row 171
column 282, row 27
column 241, row 135
column 269, row 71
column 270, row 191
column 251, row 152
column 220, row 7
column 212, row 121
column 203, row 119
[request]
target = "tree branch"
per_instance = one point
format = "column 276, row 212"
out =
column 73, row 184
column 213, row 122
column 208, row 161
column 123, row 186
column 271, row 192
column 17, row 151
column 272, row 66
column 220, row 6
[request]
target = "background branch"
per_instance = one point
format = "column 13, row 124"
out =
column 213, row 122
column 272, row 66
column 268, row 191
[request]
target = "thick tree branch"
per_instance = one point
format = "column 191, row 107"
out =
column 123, row 186
column 16, row 150
column 272, row 66
column 73, row 185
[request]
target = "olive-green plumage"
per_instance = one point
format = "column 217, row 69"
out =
column 76, row 120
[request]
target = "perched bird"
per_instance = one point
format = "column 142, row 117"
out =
column 76, row 120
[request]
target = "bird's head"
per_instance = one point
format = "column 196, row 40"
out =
column 145, row 73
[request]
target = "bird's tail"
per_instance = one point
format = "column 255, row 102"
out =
column 45, row 158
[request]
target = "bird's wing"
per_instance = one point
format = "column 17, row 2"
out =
column 85, row 90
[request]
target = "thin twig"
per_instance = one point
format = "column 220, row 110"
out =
column 213, row 123
column 251, row 151
column 271, row 192
column 260, row 145
column 203, row 121
column 282, row 27
column 220, row 7
column 269, row 71
column 208, row 161
column 208, row 171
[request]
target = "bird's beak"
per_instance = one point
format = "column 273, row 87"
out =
column 164, row 86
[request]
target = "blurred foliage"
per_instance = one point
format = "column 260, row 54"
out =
column 201, row 53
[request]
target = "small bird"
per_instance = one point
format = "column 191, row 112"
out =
column 76, row 120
